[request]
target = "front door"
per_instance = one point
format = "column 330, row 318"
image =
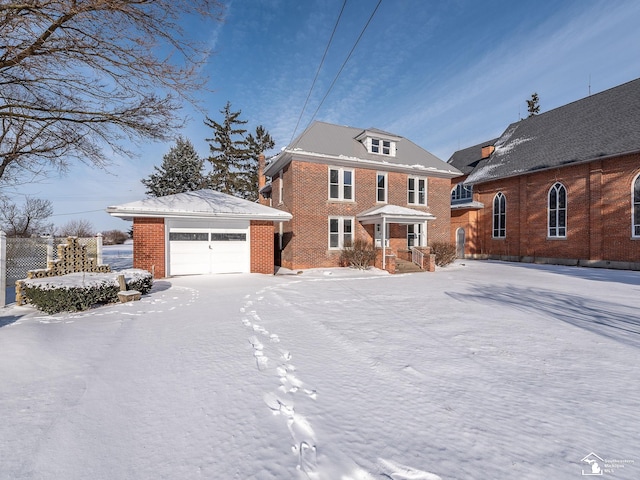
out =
column 378, row 235
column 460, row 239
column 415, row 237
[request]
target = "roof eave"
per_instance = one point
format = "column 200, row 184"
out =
column 553, row 167
column 343, row 161
column 130, row 214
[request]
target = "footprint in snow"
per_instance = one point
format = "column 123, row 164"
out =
column 285, row 355
column 397, row 471
column 274, row 338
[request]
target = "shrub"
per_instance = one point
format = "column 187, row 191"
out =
column 114, row 237
column 361, row 254
column 445, row 253
column 80, row 291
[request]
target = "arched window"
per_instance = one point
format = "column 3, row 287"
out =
column 461, row 193
column 558, row 211
column 499, row 216
column 635, row 198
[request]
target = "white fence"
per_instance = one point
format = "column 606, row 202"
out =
column 19, row 255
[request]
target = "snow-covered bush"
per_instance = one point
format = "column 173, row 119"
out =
column 80, row 291
column 361, row 254
column 445, row 253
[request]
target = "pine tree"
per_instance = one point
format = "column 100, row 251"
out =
column 533, row 105
column 258, row 144
column 230, row 155
column 181, row 171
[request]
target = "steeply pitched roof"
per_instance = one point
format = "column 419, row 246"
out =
column 599, row 126
column 199, row 204
column 330, row 143
column 467, row 159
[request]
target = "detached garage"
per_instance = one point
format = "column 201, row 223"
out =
column 201, row 232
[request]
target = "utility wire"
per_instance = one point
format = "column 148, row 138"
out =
column 345, row 62
column 335, row 27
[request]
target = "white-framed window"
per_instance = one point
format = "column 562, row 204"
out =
column 381, row 187
column 416, row 191
column 635, row 202
column 461, row 193
column 340, row 183
column 499, row 216
column 281, row 188
column 382, row 147
column 340, row 232
column 557, row 211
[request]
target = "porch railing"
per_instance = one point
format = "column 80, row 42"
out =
column 417, row 257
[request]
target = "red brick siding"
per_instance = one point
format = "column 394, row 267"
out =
column 261, row 247
column 598, row 214
column 306, row 198
column 149, row 245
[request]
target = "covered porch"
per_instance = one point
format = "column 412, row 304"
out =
column 400, row 234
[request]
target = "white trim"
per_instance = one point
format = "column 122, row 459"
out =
column 557, row 211
column 493, row 216
column 341, row 184
column 416, row 190
column 634, row 221
column 286, row 157
column 386, row 187
column 340, row 232
column 281, row 188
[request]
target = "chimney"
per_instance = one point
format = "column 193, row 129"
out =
column 487, row 151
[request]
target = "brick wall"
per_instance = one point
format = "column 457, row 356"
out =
column 261, row 247
column 306, row 198
column 598, row 214
column 149, row 245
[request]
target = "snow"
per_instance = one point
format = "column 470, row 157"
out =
column 479, row 370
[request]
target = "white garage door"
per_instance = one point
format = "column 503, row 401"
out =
column 209, row 249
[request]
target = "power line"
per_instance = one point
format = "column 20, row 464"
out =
column 335, row 27
column 345, row 62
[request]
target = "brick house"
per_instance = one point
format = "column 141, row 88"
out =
column 342, row 183
column 201, row 232
column 561, row 187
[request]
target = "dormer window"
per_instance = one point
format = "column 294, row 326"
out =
column 380, row 146
column 379, row 142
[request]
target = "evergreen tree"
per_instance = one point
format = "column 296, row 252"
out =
column 533, row 105
column 230, row 154
column 181, row 171
column 258, row 144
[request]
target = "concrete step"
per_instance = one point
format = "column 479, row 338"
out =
column 403, row 266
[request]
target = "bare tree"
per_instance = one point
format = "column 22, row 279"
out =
column 77, row 228
column 26, row 220
column 80, row 78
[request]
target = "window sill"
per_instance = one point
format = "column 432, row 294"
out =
column 556, row 238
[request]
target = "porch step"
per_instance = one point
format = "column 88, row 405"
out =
column 403, row 266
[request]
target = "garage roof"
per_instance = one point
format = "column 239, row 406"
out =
column 199, row 204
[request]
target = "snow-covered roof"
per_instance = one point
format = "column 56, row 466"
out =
column 198, row 204
column 393, row 214
column 598, row 127
column 339, row 145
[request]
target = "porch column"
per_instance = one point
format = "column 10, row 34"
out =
column 384, row 243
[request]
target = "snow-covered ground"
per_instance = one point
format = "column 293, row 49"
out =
column 480, row 370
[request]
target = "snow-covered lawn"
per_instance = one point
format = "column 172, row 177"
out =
column 480, row 370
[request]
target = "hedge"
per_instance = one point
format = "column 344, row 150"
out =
column 80, row 291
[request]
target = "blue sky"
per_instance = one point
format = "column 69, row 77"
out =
column 444, row 74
